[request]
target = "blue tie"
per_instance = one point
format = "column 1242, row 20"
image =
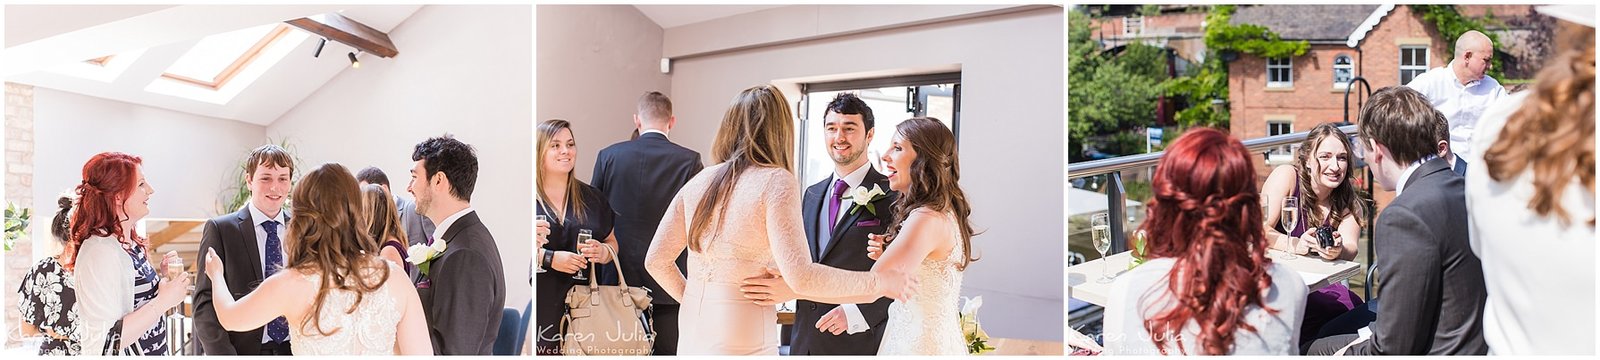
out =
column 278, row 329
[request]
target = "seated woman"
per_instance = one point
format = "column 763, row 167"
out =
column 1321, row 180
column 1207, row 286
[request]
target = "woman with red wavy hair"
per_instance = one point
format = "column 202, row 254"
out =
column 1207, row 287
column 122, row 298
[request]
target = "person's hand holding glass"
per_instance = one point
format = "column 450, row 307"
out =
column 584, row 236
column 541, row 237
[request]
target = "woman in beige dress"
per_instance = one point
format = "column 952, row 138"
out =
column 738, row 218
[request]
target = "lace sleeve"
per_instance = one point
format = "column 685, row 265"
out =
column 787, row 238
column 671, row 238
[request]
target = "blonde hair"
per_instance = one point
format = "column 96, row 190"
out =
column 1553, row 133
column 757, row 131
column 383, row 218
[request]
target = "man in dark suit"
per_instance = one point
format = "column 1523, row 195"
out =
column 465, row 287
column 416, row 226
column 639, row 178
column 836, row 230
column 250, row 244
column 1430, row 281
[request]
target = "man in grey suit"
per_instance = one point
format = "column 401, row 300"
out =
column 465, row 287
column 1430, row 281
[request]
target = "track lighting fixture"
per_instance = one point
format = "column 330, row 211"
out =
column 354, row 64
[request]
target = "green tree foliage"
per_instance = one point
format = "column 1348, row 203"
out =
column 1451, row 24
column 1110, row 94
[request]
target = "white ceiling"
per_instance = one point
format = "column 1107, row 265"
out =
column 670, row 16
column 166, row 33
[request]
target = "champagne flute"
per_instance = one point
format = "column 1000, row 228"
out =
column 1100, row 230
column 1289, row 217
column 583, row 236
column 540, row 269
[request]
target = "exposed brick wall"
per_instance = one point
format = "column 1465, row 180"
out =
column 19, row 190
column 1313, row 99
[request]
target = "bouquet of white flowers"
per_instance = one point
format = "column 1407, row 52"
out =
column 977, row 340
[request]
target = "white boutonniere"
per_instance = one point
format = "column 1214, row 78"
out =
column 422, row 255
column 861, row 197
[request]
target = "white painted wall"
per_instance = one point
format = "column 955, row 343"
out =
column 1012, row 170
column 462, row 70
column 188, row 159
column 594, row 63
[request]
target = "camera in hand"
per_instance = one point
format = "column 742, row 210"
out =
column 1325, row 236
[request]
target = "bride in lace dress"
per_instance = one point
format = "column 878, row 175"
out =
column 336, row 294
column 738, row 218
column 934, row 237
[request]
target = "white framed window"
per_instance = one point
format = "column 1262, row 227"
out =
column 1413, row 62
column 1280, row 72
column 1344, row 70
column 1132, row 25
column 1282, row 154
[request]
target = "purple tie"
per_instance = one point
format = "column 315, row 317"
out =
column 277, row 329
column 839, row 187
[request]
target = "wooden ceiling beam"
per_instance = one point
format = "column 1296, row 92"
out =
column 349, row 32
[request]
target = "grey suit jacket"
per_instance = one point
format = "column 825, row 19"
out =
column 1430, row 282
column 467, row 291
column 416, row 225
column 233, row 238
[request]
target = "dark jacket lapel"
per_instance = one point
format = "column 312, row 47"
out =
column 462, row 223
column 810, row 205
column 247, row 231
column 850, row 218
column 1429, row 168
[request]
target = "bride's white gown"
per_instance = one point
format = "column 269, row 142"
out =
column 930, row 323
column 370, row 330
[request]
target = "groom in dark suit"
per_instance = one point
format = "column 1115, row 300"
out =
column 250, row 243
column 1431, row 282
column 639, row 178
column 836, row 230
column 465, row 287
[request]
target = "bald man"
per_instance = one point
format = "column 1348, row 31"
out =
column 1461, row 91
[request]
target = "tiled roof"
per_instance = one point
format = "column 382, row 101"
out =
column 1306, row 22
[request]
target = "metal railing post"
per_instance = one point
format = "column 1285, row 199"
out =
column 1116, row 196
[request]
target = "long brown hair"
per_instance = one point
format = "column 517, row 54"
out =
column 383, row 218
column 547, row 133
column 109, row 178
column 757, row 131
column 1553, row 132
column 1345, row 199
column 326, row 238
column 937, row 174
column 1206, row 215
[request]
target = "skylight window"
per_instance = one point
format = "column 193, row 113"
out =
column 219, row 66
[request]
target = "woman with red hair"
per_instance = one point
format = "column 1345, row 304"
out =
column 122, row 298
column 1207, row 287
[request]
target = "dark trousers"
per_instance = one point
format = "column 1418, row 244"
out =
column 1341, row 330
column 664, row 320
column 276, row 349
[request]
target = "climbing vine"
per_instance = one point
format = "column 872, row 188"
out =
column 1208, row 84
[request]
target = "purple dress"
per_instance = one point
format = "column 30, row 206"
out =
column 1326, row 303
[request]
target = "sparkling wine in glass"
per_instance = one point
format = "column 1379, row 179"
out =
column 540, row 269
column 583, row 236
column 1100, row 230
column 1289, row 217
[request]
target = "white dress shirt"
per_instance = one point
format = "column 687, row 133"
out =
column 444, row 226
column 852, row 313
column 257, row 218
column 1461, row 104
column 1539, row 273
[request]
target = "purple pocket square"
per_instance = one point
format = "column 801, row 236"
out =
column 868, row 223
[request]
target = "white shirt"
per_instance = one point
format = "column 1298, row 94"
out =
column 258, row 217
column 647, row 131
column 1143, row 292
column 1539, row 274
column 438, row 232
column 852, row 313
column 1462, row 105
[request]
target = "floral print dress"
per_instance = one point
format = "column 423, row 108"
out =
column 48, row 301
